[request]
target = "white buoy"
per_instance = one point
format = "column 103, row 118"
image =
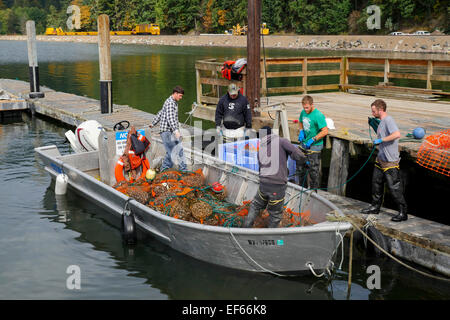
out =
column 61, row 184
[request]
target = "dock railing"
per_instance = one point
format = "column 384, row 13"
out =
column 303, row 75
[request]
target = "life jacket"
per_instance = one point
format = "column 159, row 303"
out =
column 231, row 69
column 226, row 69
column 136, row 158
column 139, row 145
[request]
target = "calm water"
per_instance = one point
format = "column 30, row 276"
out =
column 41, row 234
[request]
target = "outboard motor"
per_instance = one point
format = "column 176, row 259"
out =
column 85, row 137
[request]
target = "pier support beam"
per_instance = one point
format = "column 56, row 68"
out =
column 104, row 52
column 35, row 91
column 338, row 167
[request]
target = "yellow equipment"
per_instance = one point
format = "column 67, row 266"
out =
column 149, row 28
column 152, row 28
column 264, row 29
column 240, row 31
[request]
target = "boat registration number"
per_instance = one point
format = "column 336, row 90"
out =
column 269, row 242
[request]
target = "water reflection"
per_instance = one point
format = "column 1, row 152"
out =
column 177, row 275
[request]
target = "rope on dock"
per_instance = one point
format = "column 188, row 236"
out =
column 347, row 219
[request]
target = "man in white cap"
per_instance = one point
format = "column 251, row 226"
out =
column 233, row 111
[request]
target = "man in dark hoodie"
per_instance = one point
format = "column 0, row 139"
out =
column 273, row 176
column 234, row 111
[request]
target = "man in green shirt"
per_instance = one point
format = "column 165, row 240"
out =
column 313, row 128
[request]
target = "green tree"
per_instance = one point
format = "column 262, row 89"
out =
column 274, row 13
column 332, row 16
column 302, row 17
column 161, row 13
column 55, row 19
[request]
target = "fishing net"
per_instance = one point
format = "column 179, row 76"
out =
column 184, row 195
column 434, row 153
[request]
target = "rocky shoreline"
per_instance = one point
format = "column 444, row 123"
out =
column 408, row 44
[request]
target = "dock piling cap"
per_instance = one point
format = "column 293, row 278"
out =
column 34, row 95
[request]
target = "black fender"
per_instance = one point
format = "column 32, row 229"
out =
column 129, row 232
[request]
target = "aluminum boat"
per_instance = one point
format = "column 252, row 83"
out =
column 273, row 250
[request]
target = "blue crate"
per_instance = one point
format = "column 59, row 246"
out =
column 249, row 162
column 241, row 153
column 244, row 153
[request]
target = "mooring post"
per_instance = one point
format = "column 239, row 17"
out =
column 32, row 61
column 338, row 167
column 104, row 52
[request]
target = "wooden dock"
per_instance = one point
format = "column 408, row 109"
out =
column 421, row 241
column 408, row 106
column 71, row 109
column 10, row 105
column 349, row 112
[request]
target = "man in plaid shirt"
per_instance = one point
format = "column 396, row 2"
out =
column 169, row 130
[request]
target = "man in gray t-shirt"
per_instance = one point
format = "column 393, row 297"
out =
column 388, row 150
column 387, row 163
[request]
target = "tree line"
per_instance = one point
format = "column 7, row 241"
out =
column 216, row 16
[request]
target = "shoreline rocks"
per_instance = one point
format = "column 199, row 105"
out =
column 409, row 44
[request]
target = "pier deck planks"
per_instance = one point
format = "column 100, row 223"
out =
column 350, row 111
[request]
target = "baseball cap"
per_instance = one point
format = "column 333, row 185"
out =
column 232, row 89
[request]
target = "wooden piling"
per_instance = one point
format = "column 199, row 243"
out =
column 386, row 71
column 305, row 76
column 429, row 73
column 198, row 86
column 104, row 52
column 32, row 61
column 338, row 167
column 253, row 81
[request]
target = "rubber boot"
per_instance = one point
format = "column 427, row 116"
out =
column 401, row 216
column 274, row 219
column 275, row 209
column 256, row 206
column 395, row 187
column 371, row 210
column 275, row 206
column 250, row 219
column 377, row 192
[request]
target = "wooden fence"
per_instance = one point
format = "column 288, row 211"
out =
column 208, row 72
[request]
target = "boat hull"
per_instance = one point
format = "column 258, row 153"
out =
column 253, row 249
